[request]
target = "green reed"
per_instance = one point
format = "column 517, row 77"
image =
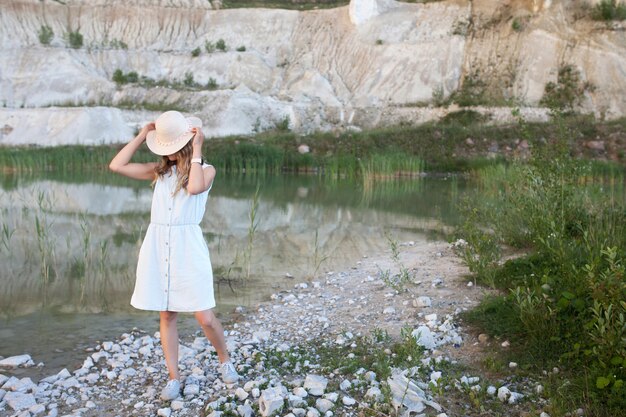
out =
column 252, row 228
column 46, row 243
column 319, row 257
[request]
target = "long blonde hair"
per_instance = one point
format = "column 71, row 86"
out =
column 183, row 165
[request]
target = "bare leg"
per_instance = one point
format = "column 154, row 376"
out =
column 214, row 332
column 169, row 341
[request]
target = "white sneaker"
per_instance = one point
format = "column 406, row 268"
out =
column 171, row 391
column 229, row 374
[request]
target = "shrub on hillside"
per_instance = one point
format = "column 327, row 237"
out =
column 45, row 35
column 75, row 39
column 609, row 10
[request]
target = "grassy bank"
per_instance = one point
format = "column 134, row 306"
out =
column 460, row 143
column 563, row 290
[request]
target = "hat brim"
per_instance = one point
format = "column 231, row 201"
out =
column 164, row 148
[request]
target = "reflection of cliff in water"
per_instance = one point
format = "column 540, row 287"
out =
column 74, row 246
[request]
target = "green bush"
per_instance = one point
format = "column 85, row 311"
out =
column 569, row 292
column 609, row 10
column 567, row 93
column 45, row 35
column 241, row 49
column 75, row 39
column 118, row 44
column 119, row 77
column 209, row 47
column 188, row 80
column 221, row 45
column 211, row 84
column 196, row 52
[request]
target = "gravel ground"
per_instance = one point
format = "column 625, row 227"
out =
column 306, row 352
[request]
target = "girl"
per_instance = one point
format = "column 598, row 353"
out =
column 174, row 269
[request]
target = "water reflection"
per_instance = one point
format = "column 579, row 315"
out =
column 71, row 246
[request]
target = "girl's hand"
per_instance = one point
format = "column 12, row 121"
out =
column 144, row 131
column 198, row 137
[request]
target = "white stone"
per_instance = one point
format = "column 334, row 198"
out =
column 177, row 405
column 164, row 412
column 424, row 337
column 241, row 394
column 315, row 384
column 375, row 394
column 349, row 401
column 192, row 390
column 15, row 361
column 296, row 401
column 491, row 390
column 544, row 414
column 503, row 394
column 271, row 401
column 345, row 385
column 300, row 392
column 515, row 397
column 312, row 412
column 323, row 405
column 389, row 310
column 512, row 365
column 37, row 409
column 19, row 401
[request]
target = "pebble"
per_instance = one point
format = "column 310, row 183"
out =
column 164, row 412
column 16, row 361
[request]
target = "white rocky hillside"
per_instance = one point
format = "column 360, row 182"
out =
column 367, row 64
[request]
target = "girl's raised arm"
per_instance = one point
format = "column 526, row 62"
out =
column 121, row 162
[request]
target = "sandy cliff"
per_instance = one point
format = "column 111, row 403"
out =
column 363, row 65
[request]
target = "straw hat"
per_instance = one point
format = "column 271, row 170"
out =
column 172, row 132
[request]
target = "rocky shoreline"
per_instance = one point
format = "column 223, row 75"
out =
column 344, row 344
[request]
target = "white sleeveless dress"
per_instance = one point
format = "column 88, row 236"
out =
column 174, row 269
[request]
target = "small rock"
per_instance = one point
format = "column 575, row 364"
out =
column 483, row 338
column 37, row 409
column 424, row 337
column 241, row 394
column 177, row 405
column 512, row 365
column 19, row 401
column 15, row 361
column 375, row 394
column 544, row 414
column 323, row 405
column 422, row 301
column 345, row 385
column 303, row 149
column 271, row 401
column 503, row 394
column 164, row 412
column 315, row 384
column 389, row 310
column 348, row 400
column 596, row 145
column 506, row 344
column 469, row 142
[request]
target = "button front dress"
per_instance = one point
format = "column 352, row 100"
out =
column 174, row 269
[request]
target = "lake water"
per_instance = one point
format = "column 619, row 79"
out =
column 69, row 247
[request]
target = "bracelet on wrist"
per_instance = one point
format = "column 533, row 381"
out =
column 198, row 160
